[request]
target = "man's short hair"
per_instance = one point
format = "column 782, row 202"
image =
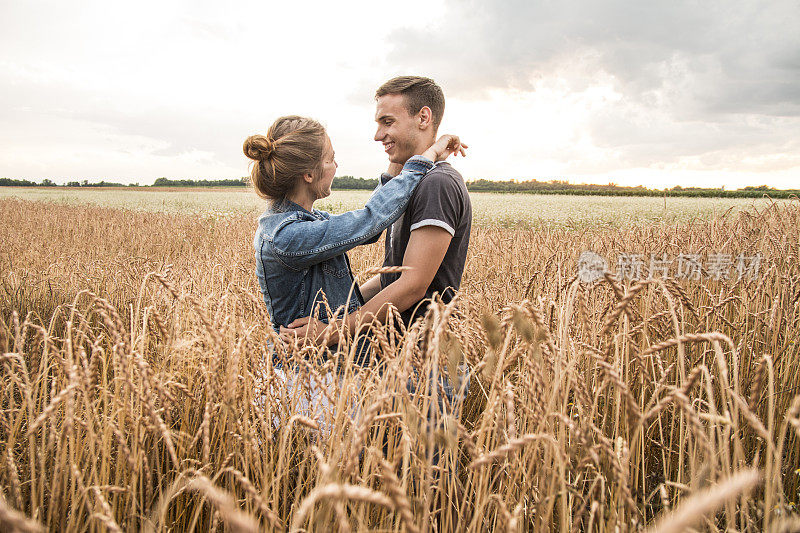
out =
column 418, row 92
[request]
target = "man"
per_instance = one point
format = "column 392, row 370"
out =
column 433, row 235
column 431, row 238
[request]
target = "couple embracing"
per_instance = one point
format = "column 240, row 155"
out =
column 302, row 266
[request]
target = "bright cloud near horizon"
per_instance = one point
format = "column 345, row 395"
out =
column 658, row 93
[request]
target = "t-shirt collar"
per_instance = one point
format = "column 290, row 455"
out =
column 386, row 177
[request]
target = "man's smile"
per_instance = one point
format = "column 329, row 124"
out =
column 388, row 145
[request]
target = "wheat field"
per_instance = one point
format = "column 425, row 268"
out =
column 139, row 391
column 512, row 210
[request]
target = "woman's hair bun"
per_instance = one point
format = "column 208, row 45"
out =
column 293, row 147
column 258, row 147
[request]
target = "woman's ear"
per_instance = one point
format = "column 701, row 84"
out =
column 308, row 178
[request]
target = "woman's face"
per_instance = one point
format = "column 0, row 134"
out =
column 323, row 184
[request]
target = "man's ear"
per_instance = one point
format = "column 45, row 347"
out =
column 425, row 117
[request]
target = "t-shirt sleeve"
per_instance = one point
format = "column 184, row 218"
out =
column 436, row 202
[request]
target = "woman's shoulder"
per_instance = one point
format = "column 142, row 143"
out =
column 271, row 217
column 271, row 221
column 283, row 226
column 322, row 214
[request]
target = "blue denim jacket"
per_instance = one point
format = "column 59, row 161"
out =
column 300, row 255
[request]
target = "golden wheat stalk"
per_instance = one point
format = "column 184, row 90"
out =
column 705, row 503
column 338, row 492
column 12, row 520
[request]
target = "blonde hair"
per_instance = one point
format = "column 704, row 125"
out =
column 293, row 147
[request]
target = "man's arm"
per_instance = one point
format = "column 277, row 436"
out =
column 371, row 287
column 424, row 254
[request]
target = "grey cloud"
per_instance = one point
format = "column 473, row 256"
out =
column 648, row 140
column 750, row 47
column 507, row 44
column 694, row 76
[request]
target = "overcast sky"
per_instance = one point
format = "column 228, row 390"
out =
column 691, row 93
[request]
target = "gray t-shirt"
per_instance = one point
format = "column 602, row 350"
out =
column 441, row 199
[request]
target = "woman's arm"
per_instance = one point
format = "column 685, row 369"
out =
column 302, row 243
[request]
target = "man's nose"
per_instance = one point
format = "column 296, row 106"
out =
column 379, row 134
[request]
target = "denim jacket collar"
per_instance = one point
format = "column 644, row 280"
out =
column 285, row 206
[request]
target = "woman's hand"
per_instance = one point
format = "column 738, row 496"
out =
column 445, row 146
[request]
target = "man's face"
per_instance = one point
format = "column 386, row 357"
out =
column 397, row 129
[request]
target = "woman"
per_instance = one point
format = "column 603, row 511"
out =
column 300, row 252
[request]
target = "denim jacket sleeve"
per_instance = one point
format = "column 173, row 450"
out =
column 301, row 243
column 383, row 178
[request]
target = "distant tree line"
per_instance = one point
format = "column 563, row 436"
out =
column 86, row 183
column 350, row 183
column 612, row 189
column 564, row 187
column 165, row 182
column 8, row 182
column 481, row 185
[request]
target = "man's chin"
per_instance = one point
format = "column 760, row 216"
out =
column 399, row 160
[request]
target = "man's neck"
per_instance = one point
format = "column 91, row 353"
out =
column 395, row 168
column 424, row 145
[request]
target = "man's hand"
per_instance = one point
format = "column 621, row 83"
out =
column 307, row 328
